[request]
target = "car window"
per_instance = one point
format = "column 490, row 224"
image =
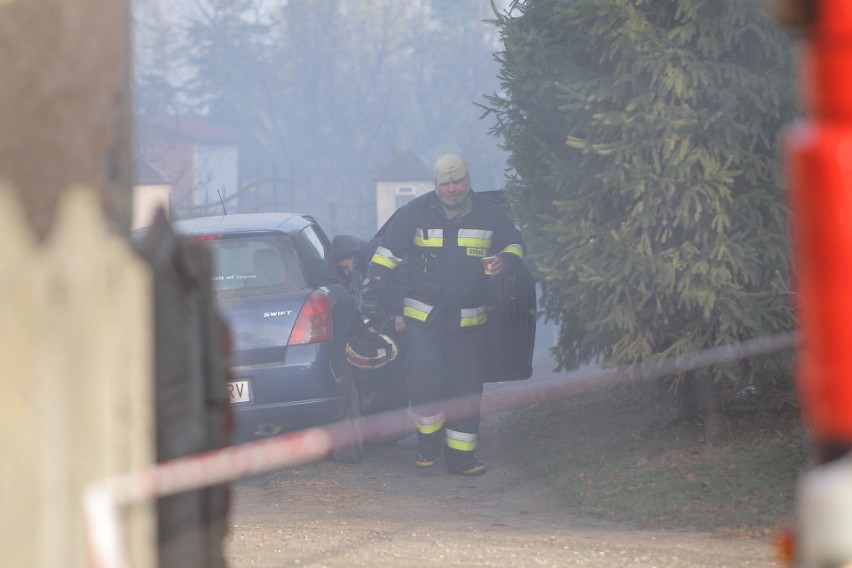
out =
column 317, row 247
column 255, row 265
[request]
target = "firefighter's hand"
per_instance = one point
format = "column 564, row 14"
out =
column 399, row 323
column 497, row 265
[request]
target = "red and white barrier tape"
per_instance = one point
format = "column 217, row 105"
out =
column 103, row 499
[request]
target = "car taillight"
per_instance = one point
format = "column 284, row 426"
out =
column 313, row 324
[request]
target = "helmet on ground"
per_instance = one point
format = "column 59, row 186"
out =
column 369, row 349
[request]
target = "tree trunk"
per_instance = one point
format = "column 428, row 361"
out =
column 712, row 411
column 688, row 395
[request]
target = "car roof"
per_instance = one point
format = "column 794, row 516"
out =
column 243, row 222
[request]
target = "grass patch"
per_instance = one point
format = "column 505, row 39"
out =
column 619, row 455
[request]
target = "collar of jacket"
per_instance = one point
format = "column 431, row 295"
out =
column 435, row 203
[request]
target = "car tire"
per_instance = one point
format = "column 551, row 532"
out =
column 352, row 453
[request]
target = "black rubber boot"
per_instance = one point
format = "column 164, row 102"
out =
column 428, row 448
column 463, row 463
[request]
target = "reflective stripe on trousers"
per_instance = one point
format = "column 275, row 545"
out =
column 446, row 365
column 462, row 441
column 429, row 424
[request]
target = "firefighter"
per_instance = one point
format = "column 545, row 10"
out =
column 442, row 238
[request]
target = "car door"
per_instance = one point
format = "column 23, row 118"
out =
column 511, row 322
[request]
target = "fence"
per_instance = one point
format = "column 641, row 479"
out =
column 110, row 361
column 75, row 367
column 192, row 410
column 335, row 214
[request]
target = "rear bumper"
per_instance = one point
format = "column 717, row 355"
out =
column 301, row 393
column 257, row 421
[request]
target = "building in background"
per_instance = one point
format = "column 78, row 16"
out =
column 200, row 158
column 399, row 182
column 152, row 190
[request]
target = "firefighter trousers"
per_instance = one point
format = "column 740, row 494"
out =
column 445, row 364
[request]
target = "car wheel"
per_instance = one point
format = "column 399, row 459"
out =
column 352, row 453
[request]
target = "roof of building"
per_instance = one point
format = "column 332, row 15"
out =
column 191, row 128
column 407, row 166
column 149, row 174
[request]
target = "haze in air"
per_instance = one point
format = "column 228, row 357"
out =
column 321, row 96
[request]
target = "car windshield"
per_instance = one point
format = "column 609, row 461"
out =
column 254, row 265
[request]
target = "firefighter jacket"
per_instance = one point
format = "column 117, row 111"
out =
column 443, row 258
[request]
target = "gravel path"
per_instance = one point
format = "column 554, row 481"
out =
column 386, row 513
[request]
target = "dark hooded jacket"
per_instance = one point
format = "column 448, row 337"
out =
column 362, row 251
column 343, row 246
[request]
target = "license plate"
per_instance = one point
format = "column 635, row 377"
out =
column 239, row 391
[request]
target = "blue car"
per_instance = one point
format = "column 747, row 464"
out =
column 276, row 286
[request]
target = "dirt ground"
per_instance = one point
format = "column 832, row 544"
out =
column 387, row 513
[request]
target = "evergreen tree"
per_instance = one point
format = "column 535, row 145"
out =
column 644, row 138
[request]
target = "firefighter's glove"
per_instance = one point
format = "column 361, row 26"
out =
column 371, row 295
